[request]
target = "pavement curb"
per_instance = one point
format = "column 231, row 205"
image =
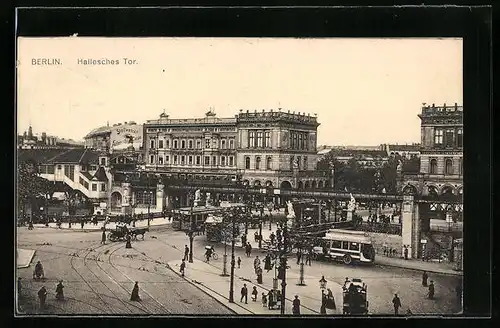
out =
column 32, row 254
column 458, row 273
column 90, row 230
column 202, row 288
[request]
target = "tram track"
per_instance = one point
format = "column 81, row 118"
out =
column 161, row 305
column 120, row 299
column 72, row 264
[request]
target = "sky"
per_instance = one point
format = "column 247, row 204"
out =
column 364, row 91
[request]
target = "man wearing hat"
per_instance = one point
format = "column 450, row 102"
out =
column 296, row 305
column 431, row 290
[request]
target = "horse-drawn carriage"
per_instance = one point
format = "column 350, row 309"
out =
column 354, row 297
column 121, row 231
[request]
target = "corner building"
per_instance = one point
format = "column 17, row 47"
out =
column 278, row 149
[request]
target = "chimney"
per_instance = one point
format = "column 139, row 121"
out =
column 456, row 106
column 279, row 109
column 433, row 105
column 248, row 111
column 444, row 105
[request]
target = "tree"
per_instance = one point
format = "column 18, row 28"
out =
column 30, row 186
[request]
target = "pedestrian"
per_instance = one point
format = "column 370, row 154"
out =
column 271, row 300
column 431, row 290
column 299, row 254
column 424, row 279
column 42, row 296
column 256, row 263
column 330, row 300
column 396, row 302
column 128, row 243
column 259, row 275
column 82, row 222
column 386, row 250
column 30, row 225
column 254, row 294
column 271, row 237
column 135, row 293
column 243, row 240
column 309, row 257
column 256, row 236
column 264, row 300
column 296, row 305
column 186, row 252
column 244, row 294
column 103, row 236
column 239, row 262
column 249, row 249
column 406, row 252
column 267, row 263
column 59, row 291
column 208, row 253
column 183, row 266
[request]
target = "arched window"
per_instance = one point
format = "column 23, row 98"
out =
column 257, row 163
column 449, row 166
column 434, row 166
column 268, row 163
column 247, row 163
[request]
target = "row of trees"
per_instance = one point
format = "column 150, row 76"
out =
column 353, row 177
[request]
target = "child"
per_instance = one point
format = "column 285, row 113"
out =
column 264, row 300
column 183, row 267
column 254, row 294
column 239, row 262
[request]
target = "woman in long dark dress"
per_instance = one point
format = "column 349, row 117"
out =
column 267, row 263
column 135, row 293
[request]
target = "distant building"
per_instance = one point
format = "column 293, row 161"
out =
column 367, row 158
column 407, row 151
column 30, row 140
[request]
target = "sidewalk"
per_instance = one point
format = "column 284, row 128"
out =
column 434, row 267
column 89, row 226
column 441, row 268
column 208, row 278
column 24, row 257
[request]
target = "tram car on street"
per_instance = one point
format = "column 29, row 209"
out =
column 354, row 297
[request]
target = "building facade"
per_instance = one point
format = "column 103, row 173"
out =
column 191, row 148
column 273, row 149
column 441, row 153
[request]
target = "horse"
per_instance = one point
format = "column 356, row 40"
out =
column 137, row 232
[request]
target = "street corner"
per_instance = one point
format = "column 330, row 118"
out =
column 24, row 257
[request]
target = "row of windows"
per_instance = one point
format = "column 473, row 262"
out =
column 345, row 245
column 259, row 139
column 145, row 198
column 299, row 162
column 194, row 160
column 225, row 143
column 448, row 167
column 298, row 140
column 448, row 137
column 258, row 164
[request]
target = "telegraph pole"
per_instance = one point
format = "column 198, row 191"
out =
column 283, row 282
column 231, row 286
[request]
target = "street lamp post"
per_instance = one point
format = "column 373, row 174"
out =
column 191, row 229
column 260, row 227
column 231, row 285
column 283, row 282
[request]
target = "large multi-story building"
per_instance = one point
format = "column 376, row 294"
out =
column 441, row 153
column 273, row 149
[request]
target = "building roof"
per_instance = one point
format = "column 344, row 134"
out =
column 100, row 175
column 56, row 156
column 87, row 175
column 358, row 152
column 101, row 130
column 396, row 147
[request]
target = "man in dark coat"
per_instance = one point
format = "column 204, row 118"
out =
column 42, row 296
column 103, row 236
column 135, row 293
column 296, row 305
column 431, row 290
column 267, row 263
column 186, row 252
column 59, row 291
column 396, row 302
column 244, row 293
column 406, row 252
column 128, row 244
column 424, row 279
column 183, row 267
